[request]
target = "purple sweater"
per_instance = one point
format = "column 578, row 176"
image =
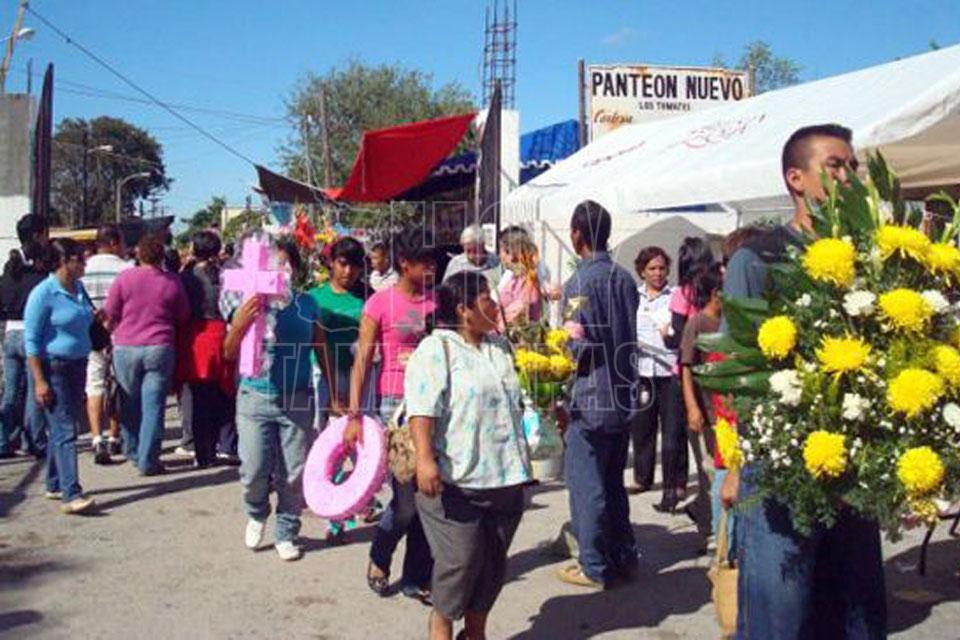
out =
column 145, row 306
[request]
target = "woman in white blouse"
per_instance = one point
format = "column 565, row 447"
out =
column 463, row 405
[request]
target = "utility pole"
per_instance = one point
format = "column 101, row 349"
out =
column 86, row 152
column 325, row 139
column 11, row 43
column 307, row 156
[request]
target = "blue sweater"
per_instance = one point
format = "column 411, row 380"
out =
column 56, row 324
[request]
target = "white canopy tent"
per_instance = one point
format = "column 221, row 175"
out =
column 729, row 157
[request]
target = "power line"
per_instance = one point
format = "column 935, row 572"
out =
column 139, row 89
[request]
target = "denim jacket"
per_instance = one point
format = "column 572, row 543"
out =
column 603, row 298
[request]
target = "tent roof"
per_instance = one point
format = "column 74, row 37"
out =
column 910, row 109
column 391, row 161
column 539, row 148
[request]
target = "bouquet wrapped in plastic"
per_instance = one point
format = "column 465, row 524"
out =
column 846, row 383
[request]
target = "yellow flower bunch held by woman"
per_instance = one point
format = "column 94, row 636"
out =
column 850, row 377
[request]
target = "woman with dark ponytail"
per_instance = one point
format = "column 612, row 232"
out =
column 56, row 336
column 24, row 269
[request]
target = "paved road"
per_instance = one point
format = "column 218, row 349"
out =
column 164, row 558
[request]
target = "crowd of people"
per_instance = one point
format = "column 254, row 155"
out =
column 381, row 336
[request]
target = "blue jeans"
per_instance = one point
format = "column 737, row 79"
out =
column 143, row 375
column 716, row 508
column 401, row 518
column 66, row 379
column 791, row 587
column 599, row 510
column 275, row 433
column 16, row 378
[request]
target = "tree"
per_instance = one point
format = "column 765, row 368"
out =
column 769, row 71
column 131, row 150
column 202, row 219
column 358, row 98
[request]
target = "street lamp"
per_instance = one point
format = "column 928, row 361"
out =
column 19, row 32
column 142, row 174
column 24, row 34
column 106, row 148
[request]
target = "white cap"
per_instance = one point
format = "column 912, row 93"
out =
column 472, row 235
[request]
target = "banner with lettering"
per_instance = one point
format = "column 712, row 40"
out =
column 632, row 94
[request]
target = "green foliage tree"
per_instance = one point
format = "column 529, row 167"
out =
column 358, row 98
column 246, row 221
column 202, row 219
column 769, row 70
column 132, row 150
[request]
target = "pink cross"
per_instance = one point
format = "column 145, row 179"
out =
column 254, row 278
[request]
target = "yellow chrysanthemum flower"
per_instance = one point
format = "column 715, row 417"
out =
column 914, row 391
column 947, row 362
column 557, row 339
column 532, row 363
column 920, row 471
column 925, row 510
column 843, row 355
column 560, row 367
column 905, row 309
column 777, row 337
column 943, row 259
column 906, row 242
column 831, row 260
column 825, row 454
column 728, row 442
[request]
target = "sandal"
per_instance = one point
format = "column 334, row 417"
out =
column 380, row 585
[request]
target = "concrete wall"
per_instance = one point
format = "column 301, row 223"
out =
column 16, row 117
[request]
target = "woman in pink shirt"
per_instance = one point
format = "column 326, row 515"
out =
column 396, row 320
column 144, row 308
column 693, row 257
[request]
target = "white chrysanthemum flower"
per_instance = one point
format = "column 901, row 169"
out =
column 859, row 303
column 935, row 299
column 854, row 406
column 786, row 384
column 951, row 414
column 886, row 211
column 804, row 300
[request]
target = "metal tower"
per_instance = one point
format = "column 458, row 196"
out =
column 500, row 51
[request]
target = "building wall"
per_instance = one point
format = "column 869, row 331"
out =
column 16, row 116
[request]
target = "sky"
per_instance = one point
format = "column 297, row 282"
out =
column 233, row 62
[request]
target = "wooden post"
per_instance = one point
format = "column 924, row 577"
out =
column 11, row 43
column 581, row 96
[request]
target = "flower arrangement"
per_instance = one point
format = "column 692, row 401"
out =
column 846, row 381
column 544, row 363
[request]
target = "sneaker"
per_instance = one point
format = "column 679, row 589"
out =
column 288, row 551
column 78, row 505
column 53, row 495
column 228, row 460
column 101, row 453
column 254, row 534
column 573, row 574
column 183, row 452
column 115, row 446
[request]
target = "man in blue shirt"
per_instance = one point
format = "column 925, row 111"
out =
column 602, row 298
column 829, row 584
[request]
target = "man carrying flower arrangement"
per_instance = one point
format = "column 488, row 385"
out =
column 803, row 573
column 602, row 300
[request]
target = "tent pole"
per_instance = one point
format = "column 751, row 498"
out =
column 581, row 98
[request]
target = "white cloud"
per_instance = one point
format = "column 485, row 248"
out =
column 620, row 36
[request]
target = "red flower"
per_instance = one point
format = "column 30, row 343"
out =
column 304, row 233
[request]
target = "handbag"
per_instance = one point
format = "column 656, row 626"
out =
column 99, row 336
column 723, row 577
column 401, row 453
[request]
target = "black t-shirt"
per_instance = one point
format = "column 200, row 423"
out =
column 202, row 283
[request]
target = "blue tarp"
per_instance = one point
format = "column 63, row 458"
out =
column 539, row 150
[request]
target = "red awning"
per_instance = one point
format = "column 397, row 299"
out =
column 391, row 161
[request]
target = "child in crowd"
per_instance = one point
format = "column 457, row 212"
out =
column 706, row 288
